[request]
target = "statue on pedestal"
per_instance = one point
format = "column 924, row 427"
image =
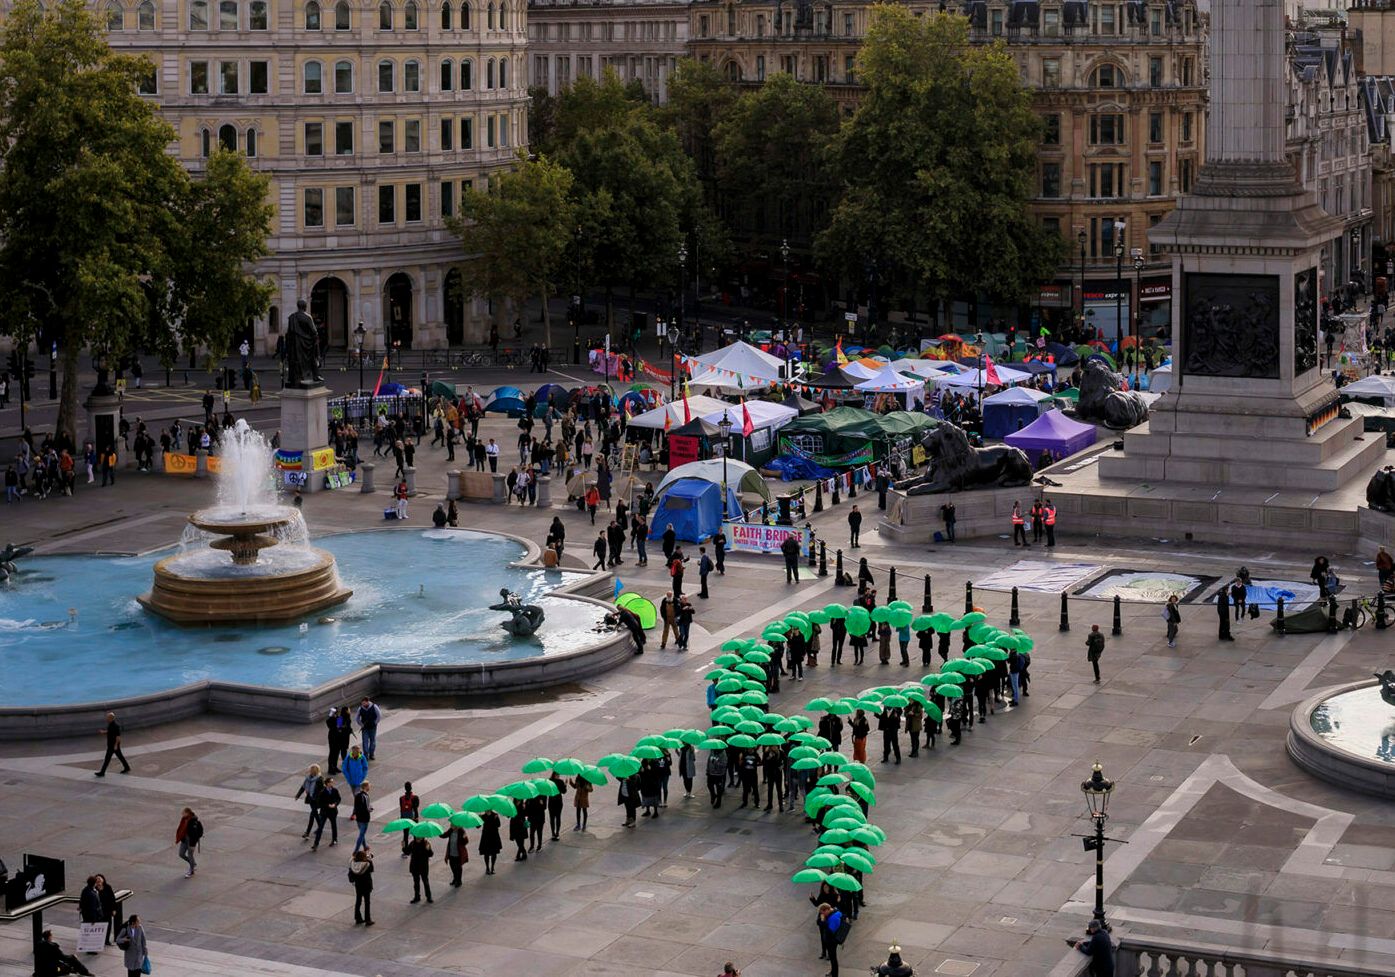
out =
column 959, row 466
column 302, row 349
column 1380, row 490
column 527, row 618
column 1102, row 399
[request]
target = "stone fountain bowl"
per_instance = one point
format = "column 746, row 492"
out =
column 230, row 521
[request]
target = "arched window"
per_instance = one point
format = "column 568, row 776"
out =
column 490, row 22
column 409, row 16
column 312, row 16
column 503, row 16
column 503, row 72
column 205, row 143
column 227, row 138
column 343, row 78
column 145, row 15
column 384, row 16
column 464, row 16
column 467, row 74
column 314, row 78
column 227, row 15
column 387, row 75
column 733, row 71
column 1108, row 76
column 411, row 77
column 251, row 142
column 445, row 16
column 257, row 15
column 342, row 20
column 489, row 73
column 116, row 17
column 198, row 15
column 447, row 73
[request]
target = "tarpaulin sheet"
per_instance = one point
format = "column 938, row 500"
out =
column 1041, row 576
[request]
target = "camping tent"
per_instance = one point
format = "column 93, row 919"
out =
column 888, row 381
column 740, row 476
column 738, row 366
column 1379, row 389
column 694, row 508
column 1052, row 431
column 800, row 404
column 971, row 379
column 923, row 368
column 642, row 607
column 698, row 406
column 1160, row 380
column 1011, row 410
column 846, row 430
column 505, row 400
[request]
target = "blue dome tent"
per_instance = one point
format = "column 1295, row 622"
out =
column 505, row 400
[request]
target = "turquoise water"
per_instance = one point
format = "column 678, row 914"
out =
column 419, row 598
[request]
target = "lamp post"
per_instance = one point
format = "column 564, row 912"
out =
column 1118, row 290
column 785, row 283
column 724, row 426
column 359, row 334
column 682, row 319
column 1137, row 312
column 1081, row 238
column 579, row 306
column 978, row 341
column 1097, row 790
column 1355, row 262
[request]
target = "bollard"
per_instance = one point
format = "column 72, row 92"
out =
column 365, row 477
column 927, row 604
column 852, row 485
column 1279, row 617
column 544, row 492
column 411, row 480
column 818, row 496
column 1380, row 610
column 1331, row 615
column 891, row 586
column 813, row 552
column 1065, row 612
column 1118, row 618
column 836, row 480
column 968, row 596
column 452, row 484
column 823, row 558
column 1014, row 618
column 840, row 579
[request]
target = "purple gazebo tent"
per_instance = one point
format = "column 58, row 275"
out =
column 1052, row 431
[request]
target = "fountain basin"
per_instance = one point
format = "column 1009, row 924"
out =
column 186, row 593
column 1346, row 736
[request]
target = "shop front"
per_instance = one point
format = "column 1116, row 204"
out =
column 1107, row 304
column 1155, row 307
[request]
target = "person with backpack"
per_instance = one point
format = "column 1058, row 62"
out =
column 187, row 836
column 408, row 806
column 310, row 789
column 833, row 930
column 361, row 877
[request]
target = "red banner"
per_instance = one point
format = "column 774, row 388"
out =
column 682, row 449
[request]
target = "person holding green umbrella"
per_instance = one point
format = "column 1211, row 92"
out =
column 650, row 787
column 457, row 853
column 629, row 796
column 536, row 810
column 554, row 805
column 419, row 864
column 716, row 775
column 890, row 725
column 749, row 765
column 773, row 767
column 860, row 727
column 687, row 767
column 490, row 841
column 518, row 832
column 915, row 720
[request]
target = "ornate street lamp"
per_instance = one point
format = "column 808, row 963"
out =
column 1138, row 263
column 1097, row 791
column 1118, row 290
column 359, row 334
column 1082, row 238
column 682, row 318
column 724, row 426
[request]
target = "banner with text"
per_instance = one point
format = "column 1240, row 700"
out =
column 755, row 538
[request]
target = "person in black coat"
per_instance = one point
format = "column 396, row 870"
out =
column 926, row 640
column 51, row 961
column 518, row 832
column 419, row 864
column 90, row 901
column 890, row 725
column 361, row 875
column 491, row 843
column 838, row 628
column 554, row 806
column 536, row 809
column 629, row 798
column 1223, row 612
column 1098, row 948
column 109, row 906
column 670, row 540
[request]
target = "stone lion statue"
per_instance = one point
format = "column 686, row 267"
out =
column 1103, row 400
column 527, row 618
column 959, row 466
column 1380, row 490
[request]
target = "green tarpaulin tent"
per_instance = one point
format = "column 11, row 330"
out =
column 849, row 428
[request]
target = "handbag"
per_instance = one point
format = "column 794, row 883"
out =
column 145, row 966
column 1254, row 610
column 840, row 935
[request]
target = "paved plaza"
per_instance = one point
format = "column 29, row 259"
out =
column 982, row 874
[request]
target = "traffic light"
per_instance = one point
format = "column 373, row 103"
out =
column 13, row 369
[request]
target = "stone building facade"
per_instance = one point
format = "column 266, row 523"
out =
column 642, row 40
column 370, row 119
column 1121, row 91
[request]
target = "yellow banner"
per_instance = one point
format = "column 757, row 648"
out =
column 177, row 464
column 323, row 458
column 918, row 455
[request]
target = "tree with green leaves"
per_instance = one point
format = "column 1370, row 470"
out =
column 105, row 240
column 937, row 167
column 518, row 234
column 698, row 99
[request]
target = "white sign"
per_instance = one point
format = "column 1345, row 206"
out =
column 92, row 937
column 850, row 316
column 756, row 538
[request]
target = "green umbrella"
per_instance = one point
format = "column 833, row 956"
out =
column 844, row 822
column 594, row 775
column 623, row 770
column 520, row 790
column 610, row 759
column 841, row 708
column 770, row 739
column 866, row 835
column 536, row 765
column 804, row 752
column 847, row 815
column 726, row 714
column 477, row 804
column 952, row 678
column 922, row 623
column 841, row 800
column 774, row 637
column 860, row 773
column 546, row 787
column 859, row 621
column 718, row 731
column 568, row 767
column 822, row 859
column 896, row 702
column 502, row 805
column 995, row 654
column 464, row 819
column 736, row 644
column 901, row 619
column 859, row 860
column 972, row 618
column 863, row 791
column 870, row 705
column 712, row 744
column 881, row 615
column 972, row 667
column 956, row 665
column 806, row 763
column 949, row 691
column 653, row 739
column 755, row 698
column 750, row 727
column 751, row 669
column 941, row 622
column 426, row 829
column 818, row 617
column 817, row 705
column 787, row 726
column 646, row 753
column 804, row 722
column 933, row 679
column 900, row 605
column 754, row 713
column 752, row 685
column 844, row 881
column 832, row 759
column 718, row 673
column 729, row 699
column 814, row 740
column 808, row 875
column 692, row 737
column 832, row 780
column 437, row 810
column 758, row 657
column 835, row 611
column 836, row 836
column 732, row 684
column 742, row 741
column 934, row 712
column 727, row 659
column 400, row 824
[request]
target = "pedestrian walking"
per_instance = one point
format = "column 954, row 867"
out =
column 328, row 803
column 361, row 877
column 457, row 853
column 135, row 953
column 491, row 841
column 369, row 715
column 187, row 836
column 600, row 548
column 1223, row 613
column 419, row 854
column 854, row 527
column 1019, row 528
column 705, row 567
column 716, row 776
column 667, row 615
column 1094, row 648
column 790, row 549
column 1173, row 617
column 687, row 767
column 309, row 788
column 363, row 813
column 355, row 768
column 1385, row 566
column 112, row 731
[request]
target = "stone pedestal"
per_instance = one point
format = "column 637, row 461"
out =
column 365, row 477
column 200, row 463
column 305, row 428
column 411, row 480
column 501, row 488
column 452, row 484
column 545, row 492
column 103, row 423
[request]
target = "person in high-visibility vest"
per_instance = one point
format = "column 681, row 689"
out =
column 1019, row 529
column 1049, row 518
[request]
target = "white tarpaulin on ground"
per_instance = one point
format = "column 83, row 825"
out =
column 1145, row 586
column 1265, row 594
column 1041, row 576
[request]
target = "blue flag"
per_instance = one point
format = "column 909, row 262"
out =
column 618, row 587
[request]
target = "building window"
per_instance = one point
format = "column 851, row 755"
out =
column 503, row 16
column 227, row 77
column 1050, row 72
column 1104, row 19
column 411, row 136
column 703, row 28
column 1106, row 130
column 1051, row 23
column 314, row 208
column 251, row 143
column 314, row 139
column 344, row 206
column 258, row 77
column 116, row 18
column 1188, row 67
column 760, row 67
column 445, row 15
column 198, row 77
column 503, row 72
column 227, row 138
column 1155, row 178
column 409, row 16
column 205, row 143
column 467, row 74
column 312, row 16
column 313, row 76
column 343, row 138
column 467, row 133
column 1186, row 127
column 504, row 131
column 464, row 16
column 447, row 75
column 1106, row 180
column 386, row 132
column 387, row 76
column 848, row 28
column 411, row 200
column 1107, row 76
column 257, row 16
column 384, row 16
column 387, row 204
column 227, row 15
column 1155, row 127
column 447, row 135
column 148, row 84
column 1051, row 130
column 1052, row 225
column 198, row 15
column 996, row 21
column 1184, row 175
column 447, row 198
column 489, row 132
column 1050, row 180
column 342, row 19
column 489, row 73
column 1155, row 68
column 489, row 24
column 1155, row 22
column 411, row 77
column 343, row 78
column 145, row 16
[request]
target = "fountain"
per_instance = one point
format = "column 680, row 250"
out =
column 246, row 559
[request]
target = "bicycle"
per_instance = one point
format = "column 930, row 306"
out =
column 1363, row 610
column 510, row 358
